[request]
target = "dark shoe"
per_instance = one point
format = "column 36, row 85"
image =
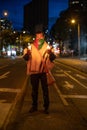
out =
column 32, row 109
column 46, row 111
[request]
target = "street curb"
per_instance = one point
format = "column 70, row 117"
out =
column 16, row 106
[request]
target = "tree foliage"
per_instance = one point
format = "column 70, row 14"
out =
column 60, row 29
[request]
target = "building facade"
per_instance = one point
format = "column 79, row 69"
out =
column 79, row 7
column 36, row 12
column 78, row 4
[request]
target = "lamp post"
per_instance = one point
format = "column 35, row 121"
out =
column 0, row 37
column 73, row 22
column 78, row 39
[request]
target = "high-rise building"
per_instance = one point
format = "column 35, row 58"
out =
column 36, row 12
column 78, row 4
column 79, row 7
column 5, row 24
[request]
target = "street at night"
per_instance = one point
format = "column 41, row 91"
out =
column 38, row 38
column 68, row 97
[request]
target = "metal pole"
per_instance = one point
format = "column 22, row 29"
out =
column 79, row 39
column 0, row 37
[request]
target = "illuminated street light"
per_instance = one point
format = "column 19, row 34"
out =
column 5, row 13
column 73, row 22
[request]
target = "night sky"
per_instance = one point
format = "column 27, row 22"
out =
column 15, row 10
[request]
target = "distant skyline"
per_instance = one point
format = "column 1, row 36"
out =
column 15, row 10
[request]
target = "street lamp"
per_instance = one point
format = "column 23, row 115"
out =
column 5, row 13
column 79, row 39
column 73, row 22
column 0, row 37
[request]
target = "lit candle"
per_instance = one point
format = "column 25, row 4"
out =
column 48, row 47
column 29, row 47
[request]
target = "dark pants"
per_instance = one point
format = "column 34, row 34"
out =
column 35, row 78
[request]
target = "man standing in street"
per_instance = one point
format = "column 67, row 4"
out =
column 37, row 68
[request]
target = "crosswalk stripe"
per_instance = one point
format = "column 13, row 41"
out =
column 10, row 90
column 75, row 96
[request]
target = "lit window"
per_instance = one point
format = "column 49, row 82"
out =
column 82, row 5
column 75, row 2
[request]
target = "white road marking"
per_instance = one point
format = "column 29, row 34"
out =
column 60, row 75
column 10, row 90
column 61, row 96
column 68, row 71
column 68, row 85
column 2, row 101
column 3, row 66
column 4, row 75
column 80, row 76
column 75, row 80
column 75, row 96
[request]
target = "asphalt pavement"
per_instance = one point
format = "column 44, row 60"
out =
column 39, row 120
column 75, row 62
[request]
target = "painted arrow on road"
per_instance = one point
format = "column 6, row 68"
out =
column 68, row 85
column 4, row 75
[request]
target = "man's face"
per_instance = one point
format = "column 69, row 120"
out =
column 39, row 36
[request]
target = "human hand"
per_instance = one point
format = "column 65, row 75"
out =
column 29, row 49
column 48, row 49
column 29, row 52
